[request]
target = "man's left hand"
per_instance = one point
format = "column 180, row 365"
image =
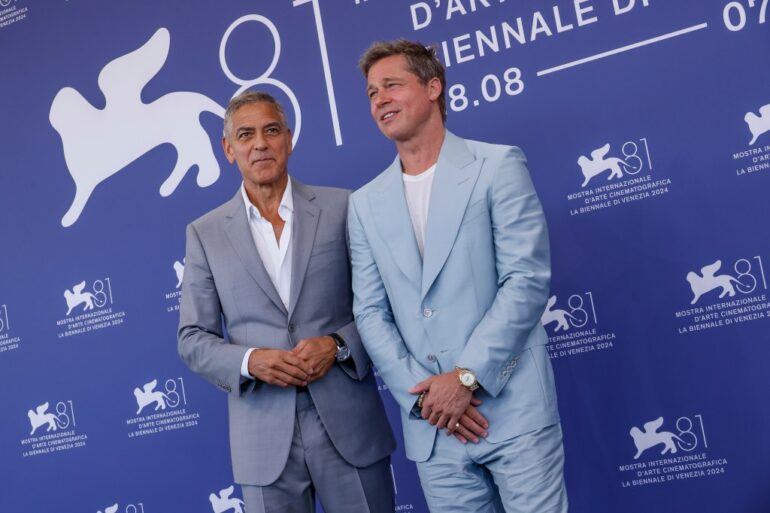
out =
column 447, row 401
column 319, row 352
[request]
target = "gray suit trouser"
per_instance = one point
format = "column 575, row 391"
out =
column 315, row 466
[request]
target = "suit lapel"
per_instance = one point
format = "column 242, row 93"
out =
column 305, row 224
column 391, row 217
column 456, row 173
column 239, row 233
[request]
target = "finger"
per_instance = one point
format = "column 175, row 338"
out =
column 468, row 435
column 443, row 422
column 477, row 417
column 291, row 360
column 433, row 419
column 475, row 401
column 471, row 426
column 426, row 411
column 460, row 437
column 288, row 379
column 453, row 422
column 292, row 371
column 422, row 386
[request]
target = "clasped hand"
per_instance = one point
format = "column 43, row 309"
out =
column 310, row 360
column 447, row 404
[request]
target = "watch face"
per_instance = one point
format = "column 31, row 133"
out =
column 467, row 379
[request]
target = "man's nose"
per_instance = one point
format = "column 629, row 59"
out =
column 383, row 98
column 260, row 143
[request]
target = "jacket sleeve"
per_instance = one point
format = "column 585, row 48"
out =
column 200, row 339
column 522, row 259
column 375, row 320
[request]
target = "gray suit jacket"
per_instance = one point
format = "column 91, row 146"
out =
column 225, row 280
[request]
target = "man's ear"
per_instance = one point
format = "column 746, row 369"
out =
column 291, row 146
column 434, row 88
column 229, row 152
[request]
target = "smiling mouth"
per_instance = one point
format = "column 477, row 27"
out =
column 264, row 159
column 388, row 115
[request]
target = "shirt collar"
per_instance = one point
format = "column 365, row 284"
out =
column 285, row 209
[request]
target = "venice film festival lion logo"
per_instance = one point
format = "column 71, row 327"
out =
column 600, row 162
column 650, row 437
column 147, row 395
column 40, row 416
column 708, row 280
column 224, row 503
column 110, row 509
column 127, row 128
column 758, row 124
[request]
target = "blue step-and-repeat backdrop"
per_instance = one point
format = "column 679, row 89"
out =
column 647, row 128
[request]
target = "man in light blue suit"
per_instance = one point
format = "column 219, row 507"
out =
column 451, row 271
column 272, row 265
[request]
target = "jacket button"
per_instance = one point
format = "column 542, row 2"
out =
column 291, row 328
column 431, row 357
column 427, row 312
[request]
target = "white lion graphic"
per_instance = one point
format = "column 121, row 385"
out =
column 758, row 125
column 77, row 296
column 559, row 316
column 100, row 142
column 41, row 417
column 179, row 270
column 708, row 282
column 599, row 163
column 223, row 502
column 148, row 395
column 110, row 509
column 650, row 437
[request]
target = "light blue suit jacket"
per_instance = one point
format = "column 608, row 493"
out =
column 476, row 298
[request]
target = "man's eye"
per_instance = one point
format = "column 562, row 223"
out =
column 272, row 130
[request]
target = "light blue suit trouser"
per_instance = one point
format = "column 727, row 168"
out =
column 522, row 475
column 315, row 466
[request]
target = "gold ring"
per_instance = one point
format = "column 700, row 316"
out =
column 457, row 426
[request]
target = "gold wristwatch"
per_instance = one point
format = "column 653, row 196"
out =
column 467, row 379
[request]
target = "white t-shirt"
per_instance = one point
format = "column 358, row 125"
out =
column 417, row 189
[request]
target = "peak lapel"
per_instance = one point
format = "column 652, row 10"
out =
column 306, row 215
column 239, row 233
column 456, row 174
column 391, row 216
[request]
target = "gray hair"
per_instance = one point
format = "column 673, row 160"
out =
column 246, row 98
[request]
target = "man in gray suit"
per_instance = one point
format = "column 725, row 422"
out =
column 305, row 415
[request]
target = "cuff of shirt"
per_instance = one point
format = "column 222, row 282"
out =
column 245, row 364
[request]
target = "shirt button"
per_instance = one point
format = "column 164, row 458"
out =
column 291, row 328
column 427, row 312
column 431, row 357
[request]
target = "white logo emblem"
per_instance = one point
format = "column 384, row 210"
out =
column 111, row 509
column 148, row 395
column 559, row 316
column 223, row 502
column 126, row 128
column 650, row 437
column 758, row 125
column 77, row 296
column 599, row 163
column 41, row 417
column 709, row 281
column 179, row 270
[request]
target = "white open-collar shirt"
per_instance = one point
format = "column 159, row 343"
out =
column 276, row 255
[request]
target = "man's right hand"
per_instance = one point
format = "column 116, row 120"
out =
column 473, row 425
column 279, row 367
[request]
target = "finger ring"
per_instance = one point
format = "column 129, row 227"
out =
column 457, row 426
